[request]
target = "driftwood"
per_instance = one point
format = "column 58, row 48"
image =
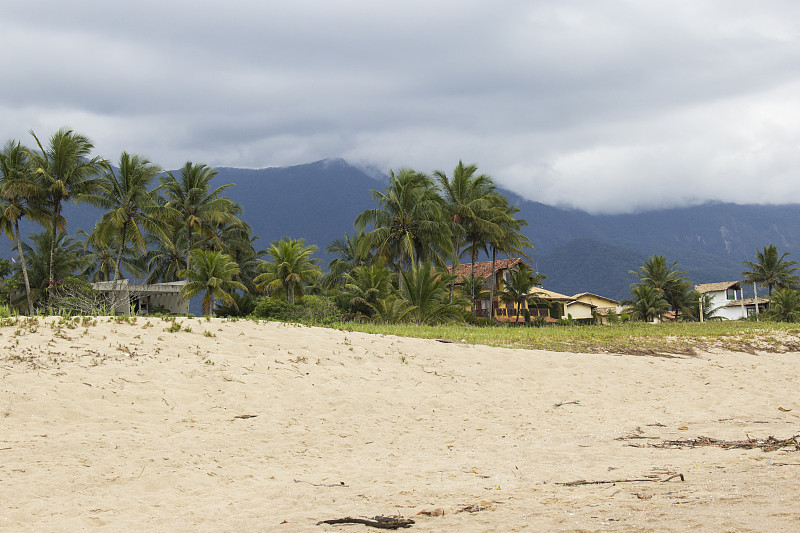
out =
column 381, row 522
column 340, row 484
column 615, row 481
column 770, row 444
column 559, row 404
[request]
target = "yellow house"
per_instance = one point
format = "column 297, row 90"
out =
column 507, row 311
column 602, row 305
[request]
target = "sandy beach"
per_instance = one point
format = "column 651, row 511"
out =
column 244, row 426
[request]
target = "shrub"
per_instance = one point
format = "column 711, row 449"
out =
column 273, row 309
column 320, row 310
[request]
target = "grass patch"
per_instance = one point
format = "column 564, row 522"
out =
column 630, row 338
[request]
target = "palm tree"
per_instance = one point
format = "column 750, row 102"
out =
column 198, row 208
column 65, row 172
column 212, row 275
column 426, row 292
column 784, row 305
column 407, row 225
column 16, row 190
column 132, row 205
column 666, row 280
column 165, row 258
column 468, row 203
column 365, row 285
column 66, row 261
column 291, row 267
column 771, row 271
column 647, row 303
column 519, row 287
column 350, row 253
column 510, row 241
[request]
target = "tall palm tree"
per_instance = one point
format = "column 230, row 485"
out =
column 770, row 270
column 199, row 209
column 16, row 191
column 132, row 206
column 65, row 172
column 468, row 203
column 211, row 275
column 519, row 287
column 407, row 225
column 292, row 266
column 510, row 241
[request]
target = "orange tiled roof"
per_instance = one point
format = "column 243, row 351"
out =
column 483, row 269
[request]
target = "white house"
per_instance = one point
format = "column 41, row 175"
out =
column 731, row 306
column 144, row 299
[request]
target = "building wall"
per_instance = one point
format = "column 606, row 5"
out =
column 719, row 299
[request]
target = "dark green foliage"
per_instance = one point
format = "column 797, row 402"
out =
column 245, row 304
column 784, row 305
column 274, row 309
column 770, row 271
column 318, row 309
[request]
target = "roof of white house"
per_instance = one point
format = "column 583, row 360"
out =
column 714, row 287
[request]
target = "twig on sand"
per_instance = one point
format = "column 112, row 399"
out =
column 340, row 484
column 559, row 404
column 770, row 444
column 381, row 522
column 615, row 481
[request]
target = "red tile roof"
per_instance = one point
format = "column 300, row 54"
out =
column 483, row 269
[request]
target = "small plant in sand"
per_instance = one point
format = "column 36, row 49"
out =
column 207, row 333
column 174, row 327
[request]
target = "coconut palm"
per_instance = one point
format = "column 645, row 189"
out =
column 16, row 190
column 64, row 172
column 407, row 225
column 510, row 241
column 199, row 209
column 292, row 266
column 468, row 201
column 165, row 258
column 132, row 206
column 212, row 276
column 350, row 253
column 769, row 270
column 426, row 292
column 784, row 305
column 647, row 303
column 666, row 280
column 365, row 285
column 67, row 261
column 520, row 287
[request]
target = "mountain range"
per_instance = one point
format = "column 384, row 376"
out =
column 578, row 251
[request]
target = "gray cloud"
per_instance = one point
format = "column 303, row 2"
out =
column 605, row 106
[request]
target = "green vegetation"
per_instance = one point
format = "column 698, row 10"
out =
column 630, row 338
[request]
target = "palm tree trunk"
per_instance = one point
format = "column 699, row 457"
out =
column 51, row 270
column 494, row 283
column 119, row 252
column 24, row 268
column 474, row 257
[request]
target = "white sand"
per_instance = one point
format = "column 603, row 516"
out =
column 95, row 438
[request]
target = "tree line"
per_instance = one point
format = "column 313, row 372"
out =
column 159, row 226
column 662, row 288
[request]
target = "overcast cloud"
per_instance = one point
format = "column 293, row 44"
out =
column 608, row 106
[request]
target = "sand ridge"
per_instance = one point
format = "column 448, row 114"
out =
column 244, row 426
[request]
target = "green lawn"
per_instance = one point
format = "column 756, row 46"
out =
column 631, row 338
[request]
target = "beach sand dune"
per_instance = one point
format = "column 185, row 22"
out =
column 243, row 426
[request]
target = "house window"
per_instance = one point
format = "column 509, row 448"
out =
column 731, row 294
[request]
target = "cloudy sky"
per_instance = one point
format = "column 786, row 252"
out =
column 607, row 106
